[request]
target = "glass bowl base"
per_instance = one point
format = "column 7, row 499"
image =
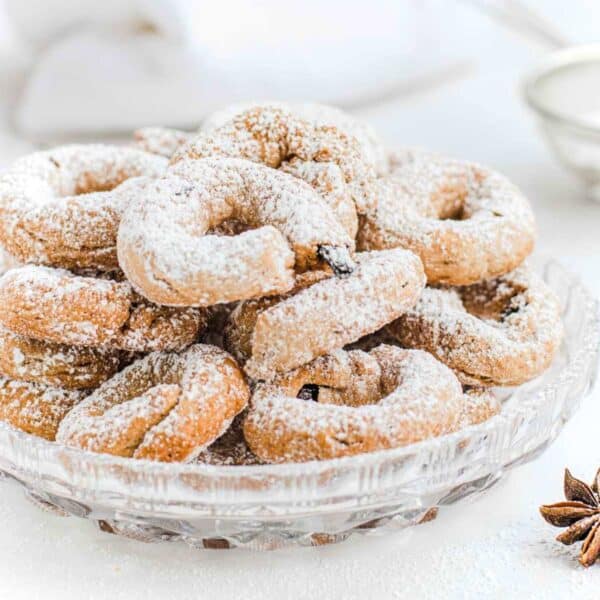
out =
column 266, row 507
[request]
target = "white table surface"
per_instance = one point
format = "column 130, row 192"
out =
column 496, row 546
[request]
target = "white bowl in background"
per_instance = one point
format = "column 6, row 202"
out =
column 564, row 92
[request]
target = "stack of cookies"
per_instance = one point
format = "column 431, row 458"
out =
column 275, row 287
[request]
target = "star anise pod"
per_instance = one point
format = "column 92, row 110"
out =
column 580, row 514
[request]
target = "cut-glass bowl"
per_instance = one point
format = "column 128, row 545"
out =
column 272, row 506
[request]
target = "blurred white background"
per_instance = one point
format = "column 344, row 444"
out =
column 83, row 66
column 435, row 73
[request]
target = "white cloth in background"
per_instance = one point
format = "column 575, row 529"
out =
column 113, row 66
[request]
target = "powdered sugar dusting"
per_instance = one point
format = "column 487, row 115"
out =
column 165, row 406
column 56, row 305
column 57, row 207
column 502, row 331
column 251, row 206
column 7, row 261
column 372, row 147
column 165, row 252
column 383, row 286
column 35, row 408
column 163, row 141
column 466, row 222
column 55, row 364
column 419, row 398
column 272, row 135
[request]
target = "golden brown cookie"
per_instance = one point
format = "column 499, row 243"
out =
column 348, row 403
column 165, row 406
column 60, row 207
column 57, row 306
column 168, row 253
column 324, row 175
column 504, row 331
column 279, row 137
column 34, row 407
column 166, row 141
column 466, row 222
column 371, row 146
column 58, row 365
column 274, row 337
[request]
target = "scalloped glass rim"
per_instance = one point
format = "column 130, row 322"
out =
column 434, row 469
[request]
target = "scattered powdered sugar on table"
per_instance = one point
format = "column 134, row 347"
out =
column 516, row 559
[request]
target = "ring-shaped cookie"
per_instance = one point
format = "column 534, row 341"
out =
column 168, row 253
column 34, row 407
column 327, row 178
column 57, row 306
column 275, row 336
column 165, row 406
column 467, row 223
column 354, row 402
column 371, row 146
column 503, row 331
column 57, row 365
column 231, row 449
column 60, row 207
column 165, row 141
column 281, row 138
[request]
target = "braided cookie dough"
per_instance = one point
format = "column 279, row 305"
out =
column 59, row 365
column 503, row 331
column 354, row 402
column 466, row 222
column 34, row 407
column 165, row 406
column 275, row 338
column 168, row 254
column 280, row 138
column 57, row 306
column 60, row 207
